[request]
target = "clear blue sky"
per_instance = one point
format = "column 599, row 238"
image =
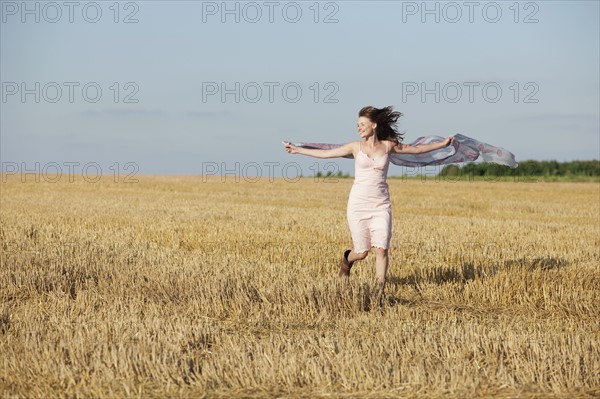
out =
column 369, row 53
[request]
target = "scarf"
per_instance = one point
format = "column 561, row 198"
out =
column 462, row 149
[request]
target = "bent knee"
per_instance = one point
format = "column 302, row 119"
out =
column 379, row 252
column 361, row 255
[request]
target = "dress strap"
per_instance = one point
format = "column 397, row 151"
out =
column 386, row 147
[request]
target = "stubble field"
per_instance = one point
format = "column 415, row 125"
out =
column 179, row 286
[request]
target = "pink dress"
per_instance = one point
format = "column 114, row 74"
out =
column 369, row 206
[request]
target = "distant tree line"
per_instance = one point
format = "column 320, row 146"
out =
column 331, row 174
column 527, row 168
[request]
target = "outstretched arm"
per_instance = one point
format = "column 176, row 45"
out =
column 420, row 149
column 342, row 151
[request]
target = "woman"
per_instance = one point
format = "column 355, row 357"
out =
column 369, row 207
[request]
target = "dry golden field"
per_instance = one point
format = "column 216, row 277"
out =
column 178, row 287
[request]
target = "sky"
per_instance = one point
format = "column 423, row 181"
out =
column 196, row 87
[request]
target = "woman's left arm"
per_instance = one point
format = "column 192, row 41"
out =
column 420, row 149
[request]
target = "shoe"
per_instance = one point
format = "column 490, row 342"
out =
column 345, row 265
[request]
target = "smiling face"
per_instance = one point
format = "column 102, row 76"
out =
column 365, row 127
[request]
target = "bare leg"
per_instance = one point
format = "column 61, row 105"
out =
column 381, row 264
column 381, row 268
column 348, row 259
column 354, row 256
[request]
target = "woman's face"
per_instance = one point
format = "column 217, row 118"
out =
column 365, row 127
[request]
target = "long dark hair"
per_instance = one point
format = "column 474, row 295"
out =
column 386, row 119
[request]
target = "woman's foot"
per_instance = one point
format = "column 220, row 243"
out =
column 345, row 264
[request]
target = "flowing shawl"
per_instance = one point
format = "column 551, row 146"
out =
column 462, row 149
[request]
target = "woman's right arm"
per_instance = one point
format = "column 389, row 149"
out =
column 420, row 149
column 339, row 152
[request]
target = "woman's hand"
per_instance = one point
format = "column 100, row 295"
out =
column 290, row 149
column 447, row 141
